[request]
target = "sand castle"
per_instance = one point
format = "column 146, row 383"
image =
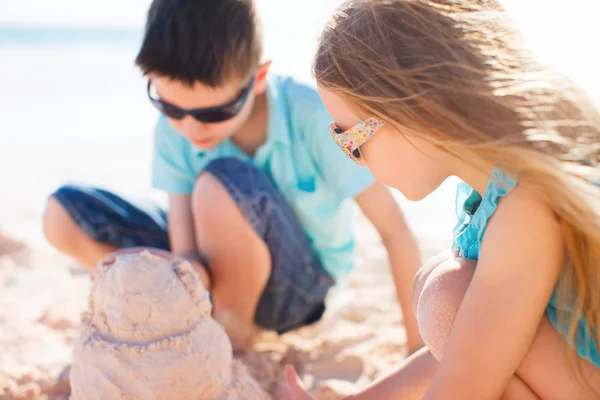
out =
column 148, row 334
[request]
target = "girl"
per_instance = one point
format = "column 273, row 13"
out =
column 421, row 90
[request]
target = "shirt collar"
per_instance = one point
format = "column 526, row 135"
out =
column 277, row 127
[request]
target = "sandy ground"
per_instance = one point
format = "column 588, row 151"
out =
column 361, row 335
column 92, row 123
column 80, row 114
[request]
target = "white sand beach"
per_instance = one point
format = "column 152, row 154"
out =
column 72, row 110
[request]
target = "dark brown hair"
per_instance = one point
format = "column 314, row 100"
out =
column 206, row 41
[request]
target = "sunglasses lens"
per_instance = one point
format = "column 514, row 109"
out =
column 207, row 115
column 225, row 112
column 356, row 153
column 216, row 116
column 168, row 110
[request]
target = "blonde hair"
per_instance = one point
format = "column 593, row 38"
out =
column 456, row 73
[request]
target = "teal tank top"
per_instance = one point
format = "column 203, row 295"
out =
column 474, row 212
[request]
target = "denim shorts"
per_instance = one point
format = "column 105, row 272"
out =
column 294, row 295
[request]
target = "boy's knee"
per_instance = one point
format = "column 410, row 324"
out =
column 213, row 208
column 439, row 301
column 211, row 198
column 55, row 223
column 208, row 195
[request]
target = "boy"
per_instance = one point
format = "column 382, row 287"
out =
column 259, row 194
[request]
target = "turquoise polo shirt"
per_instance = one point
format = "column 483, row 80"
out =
column 317, row 179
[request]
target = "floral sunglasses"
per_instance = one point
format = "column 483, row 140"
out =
column 351, row 140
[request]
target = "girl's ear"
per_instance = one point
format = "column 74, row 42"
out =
column 260, row 84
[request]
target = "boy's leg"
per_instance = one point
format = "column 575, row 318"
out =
column 87, row 223
column 9, row 245
column 66, row 236
column 262, row 265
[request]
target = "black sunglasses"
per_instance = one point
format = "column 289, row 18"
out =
column 206, row 115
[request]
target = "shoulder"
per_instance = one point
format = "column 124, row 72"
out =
column 520, row 204
column 524, row 223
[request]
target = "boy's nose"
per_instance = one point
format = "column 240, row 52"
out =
column 191, row 126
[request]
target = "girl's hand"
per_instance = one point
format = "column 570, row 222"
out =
column 295, row 388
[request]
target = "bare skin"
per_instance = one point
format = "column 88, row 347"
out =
column 66, row 236
column 207, row 221
column 488, row 322
column 237, row 278
column 380, row 207
column 486, row 333
column 545, row 365
column 239, row 273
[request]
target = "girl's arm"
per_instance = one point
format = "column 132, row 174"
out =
column 520, row 261
column 408, row 381
column 380, row 207
column 521, row 258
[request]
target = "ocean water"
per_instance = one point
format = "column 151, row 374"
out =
column 73, row 107
column 67, row 66
column 66, row 63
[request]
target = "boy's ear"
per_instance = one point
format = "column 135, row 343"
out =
column 261, row 77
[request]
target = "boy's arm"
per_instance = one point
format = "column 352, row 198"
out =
column 347, row 179
column 181, row 234
column 172, row 174
column 380, row 207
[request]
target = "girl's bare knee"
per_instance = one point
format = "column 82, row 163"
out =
column 423, row 274
column 440, row 300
